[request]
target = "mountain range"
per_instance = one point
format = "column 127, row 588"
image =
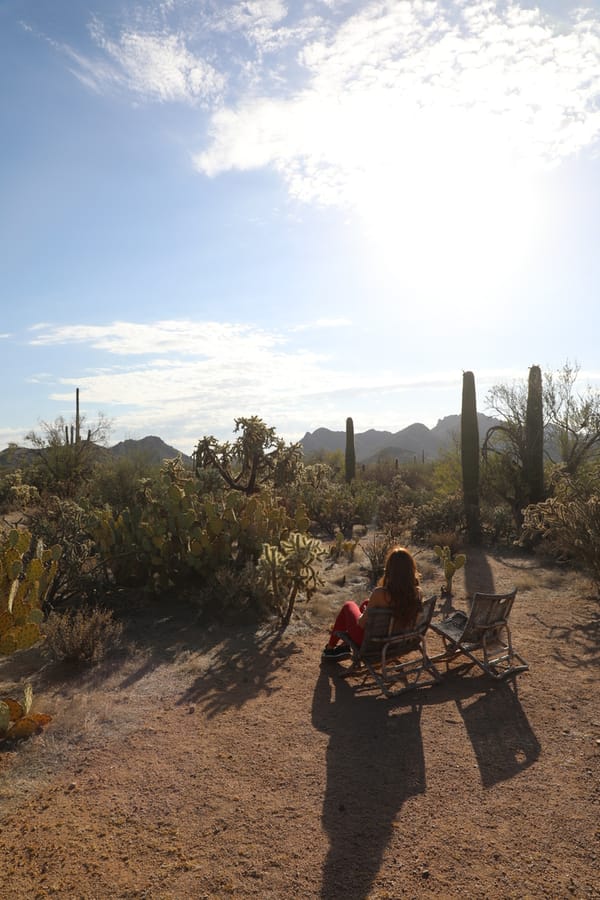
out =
column 416, row 441
column 151, row 450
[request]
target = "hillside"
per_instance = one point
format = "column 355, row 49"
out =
column 415, row 440
column 150, row 449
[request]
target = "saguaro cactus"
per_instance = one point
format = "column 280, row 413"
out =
column 350, row 452
column 534, row 437
column 469, row 453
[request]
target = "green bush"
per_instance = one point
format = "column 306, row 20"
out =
column 16, row 493
column 567, row 526
column 233, row 595
column 439, row 515
column 64, row 522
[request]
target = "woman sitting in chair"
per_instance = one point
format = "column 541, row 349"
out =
column 398, row 589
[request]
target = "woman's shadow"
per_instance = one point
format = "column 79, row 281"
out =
column 375, row 761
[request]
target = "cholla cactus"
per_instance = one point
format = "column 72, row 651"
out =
column 450, row 564
column 290, row 569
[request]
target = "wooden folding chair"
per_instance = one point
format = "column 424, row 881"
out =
column 392, row 658
column 482, row 635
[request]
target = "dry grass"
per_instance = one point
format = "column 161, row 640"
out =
column 83, row 635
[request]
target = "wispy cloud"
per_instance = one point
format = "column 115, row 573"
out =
column 328, row 98
column 405, row 87
column 151, row 65
column 178, row 337
column 176, row 377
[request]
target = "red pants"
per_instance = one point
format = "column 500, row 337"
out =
column 347, row 620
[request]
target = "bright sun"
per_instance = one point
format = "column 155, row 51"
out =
column 450, row 221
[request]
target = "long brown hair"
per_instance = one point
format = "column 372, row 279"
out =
column 401, row 580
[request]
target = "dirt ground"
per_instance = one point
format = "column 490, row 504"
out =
column 231, row 763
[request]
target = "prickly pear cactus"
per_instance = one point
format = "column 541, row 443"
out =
column 17, row 722
column 23, row 589
column 450, row 564
column 177, row 532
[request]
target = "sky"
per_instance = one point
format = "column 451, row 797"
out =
column 302, row 211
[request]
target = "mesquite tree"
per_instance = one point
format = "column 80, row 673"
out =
column 533, row 462
column 350, row 452
column 469, row 453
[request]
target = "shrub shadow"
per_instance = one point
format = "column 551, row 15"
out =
column 238, row 668
column 583, row 639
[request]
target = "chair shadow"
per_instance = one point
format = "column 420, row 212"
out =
column 502, row 738
column 375, row 762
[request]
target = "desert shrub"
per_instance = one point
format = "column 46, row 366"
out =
column 83, row 635
column 337, row 507
column 376, row 548
column 450, row 539
column 64, row 522
column 395, row 509
column 116, row 482
column 443, row 514
column 16, row 493
column 567, row 526
column 498, row 524
column 233, row 595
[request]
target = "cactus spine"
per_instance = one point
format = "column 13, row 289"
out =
column 534, row 437
column 469, row 453
column 350, row 452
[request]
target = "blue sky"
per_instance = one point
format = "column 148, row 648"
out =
column 303, row 211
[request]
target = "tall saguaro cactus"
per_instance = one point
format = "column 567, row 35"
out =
column 534, row 437
column 350, row 452
column 469, row 454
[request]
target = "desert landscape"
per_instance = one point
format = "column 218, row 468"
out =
column 212, row 762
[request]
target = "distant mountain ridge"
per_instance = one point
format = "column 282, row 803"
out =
column 151, row 449
column 415, row 440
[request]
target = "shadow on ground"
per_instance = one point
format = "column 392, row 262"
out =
column 376, row 762
column 581, row 640
column 239, row 667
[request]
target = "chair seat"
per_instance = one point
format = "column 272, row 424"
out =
column 482, row 635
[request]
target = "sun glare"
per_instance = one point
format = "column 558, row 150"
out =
column 452, row 220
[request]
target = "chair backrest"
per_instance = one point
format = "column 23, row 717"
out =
column 488, row 610
column 380, row 622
